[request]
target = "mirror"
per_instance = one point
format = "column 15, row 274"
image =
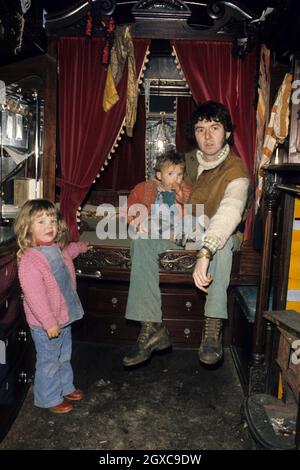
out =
column 21, row 144
column 162, row 84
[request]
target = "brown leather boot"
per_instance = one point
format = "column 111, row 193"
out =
column 152, row 337
column 211, row 350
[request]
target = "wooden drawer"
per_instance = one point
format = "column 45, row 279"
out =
column 8, row 272
column 185, row 332
column 14, row 388
column 182, row 303
column 13, row 347
column 105, row 300
column 10, row 306
column 111, row 328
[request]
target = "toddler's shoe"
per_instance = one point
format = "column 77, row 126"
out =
column 63, row 407
column 77, row 395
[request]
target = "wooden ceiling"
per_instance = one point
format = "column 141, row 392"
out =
column 279, row 30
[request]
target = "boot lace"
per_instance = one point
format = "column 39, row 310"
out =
column 145, row 332
column 212, row 328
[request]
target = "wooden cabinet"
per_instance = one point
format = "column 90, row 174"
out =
column 103, row 283
column 105, row 301
column 16, row 351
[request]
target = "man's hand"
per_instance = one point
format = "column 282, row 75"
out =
column 53, row 332
column 201, row 277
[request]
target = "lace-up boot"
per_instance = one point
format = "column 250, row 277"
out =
column 152, row 337
column 211, row 350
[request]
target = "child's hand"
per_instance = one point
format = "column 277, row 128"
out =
column 178, row 191
column 89, row 247
column 53, row 332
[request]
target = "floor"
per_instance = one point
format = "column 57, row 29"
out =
column 170, row 403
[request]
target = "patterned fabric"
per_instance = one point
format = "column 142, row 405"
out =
column 262, row 111
column 212, row 244
column 121, row 52
column 278, row 126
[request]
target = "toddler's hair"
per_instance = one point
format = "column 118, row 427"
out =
column 170, row 157
column 29, row 211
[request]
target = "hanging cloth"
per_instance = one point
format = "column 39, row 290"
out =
column 121, row 51
column 278, row 127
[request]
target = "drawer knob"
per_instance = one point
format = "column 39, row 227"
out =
column 22, row 335
column 24, row 378
column 114, row 301
column 187, row 332
column 98, row 273
column 113, row 328
column 78, row 271
column 188, row 304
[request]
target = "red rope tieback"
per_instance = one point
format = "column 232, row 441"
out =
column 111, row 25
column 89, row 26
column 108, row 27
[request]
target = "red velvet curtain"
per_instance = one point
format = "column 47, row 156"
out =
column 87, row 133
column 184, row 109
column 127, row 166
column 214, row 74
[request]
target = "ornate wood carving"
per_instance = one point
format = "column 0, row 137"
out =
column 167, row 9
column 257, row 377
column 163, row 19
column 113, row 258
column 271, row 193
column 177, row 261
column 72, row 20
column 119, row 259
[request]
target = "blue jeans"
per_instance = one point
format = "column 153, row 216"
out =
column 53, row 371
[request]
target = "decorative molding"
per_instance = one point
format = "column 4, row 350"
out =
column 161, row 9
column 218, row 10
column 74, row 17
column 101, row 258
column 257, row 378
column 163, row 19
column 271, row 193
column 112, row 258
column 177, row 261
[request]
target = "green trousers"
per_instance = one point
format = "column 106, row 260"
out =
column 144, row 297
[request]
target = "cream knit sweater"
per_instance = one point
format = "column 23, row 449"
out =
column 229, row 214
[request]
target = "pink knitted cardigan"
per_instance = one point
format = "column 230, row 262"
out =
column 44, row 304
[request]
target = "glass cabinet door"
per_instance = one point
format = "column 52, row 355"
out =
column 21, row 145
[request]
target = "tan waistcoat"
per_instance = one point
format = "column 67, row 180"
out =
column 211, row 185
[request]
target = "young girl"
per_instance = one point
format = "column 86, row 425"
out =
column 51, row 303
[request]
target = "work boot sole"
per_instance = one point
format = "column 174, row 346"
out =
column 210, row 362
column 135, row 360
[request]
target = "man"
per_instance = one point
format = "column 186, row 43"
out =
column 221, row 185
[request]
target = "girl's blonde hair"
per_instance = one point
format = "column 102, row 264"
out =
column 28, row 213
